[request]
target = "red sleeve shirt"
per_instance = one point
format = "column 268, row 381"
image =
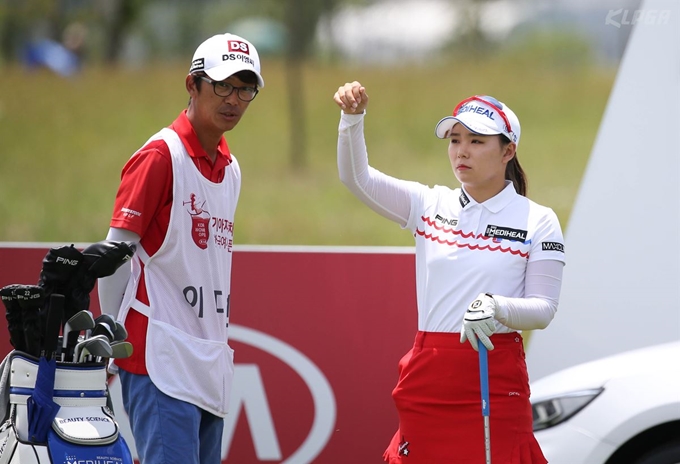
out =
column 143, row 205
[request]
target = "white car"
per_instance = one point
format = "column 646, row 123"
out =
column 622, row 409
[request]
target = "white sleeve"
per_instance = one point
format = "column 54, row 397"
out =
column 541, row 296
column 387, row 196
column 111, row 289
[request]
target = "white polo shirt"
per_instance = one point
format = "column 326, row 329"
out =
column 464, row 248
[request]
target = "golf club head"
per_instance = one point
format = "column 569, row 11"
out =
column 121, row 350
column 120, row 332
column 104, row 317
column 82, row 320
column 95, row 346
column 103, row 328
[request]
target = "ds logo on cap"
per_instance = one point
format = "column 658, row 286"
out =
column 224, row 55
column 239, row 47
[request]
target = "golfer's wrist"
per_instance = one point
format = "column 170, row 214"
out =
column 501, row 314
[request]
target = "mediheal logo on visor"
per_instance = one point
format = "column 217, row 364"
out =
column 477, row 109
column 239, row 47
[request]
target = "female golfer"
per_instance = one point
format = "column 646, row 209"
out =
column 488, row 265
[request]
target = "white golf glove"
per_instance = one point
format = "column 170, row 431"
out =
column 479, row 321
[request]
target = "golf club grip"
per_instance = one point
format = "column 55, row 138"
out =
column 484, row 384
column 484, row 378
column 55, row 313
column 71, row 342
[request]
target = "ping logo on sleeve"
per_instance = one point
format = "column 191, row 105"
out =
column 239, row 47
column 552, row 246
column 515, row 235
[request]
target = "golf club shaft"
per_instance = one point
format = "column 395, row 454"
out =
column 484, row 384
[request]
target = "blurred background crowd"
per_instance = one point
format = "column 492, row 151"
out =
column 84, row 82
column 65, row 34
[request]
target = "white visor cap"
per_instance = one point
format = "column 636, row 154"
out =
column 224, row 55
column 482, row 115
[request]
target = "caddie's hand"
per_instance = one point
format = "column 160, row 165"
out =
column 351, row 98
column 479, row 321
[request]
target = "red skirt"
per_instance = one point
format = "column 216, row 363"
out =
column 439, row 402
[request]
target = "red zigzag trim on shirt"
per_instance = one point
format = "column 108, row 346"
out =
column 464, row 235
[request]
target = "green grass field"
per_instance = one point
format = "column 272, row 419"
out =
column 63, row 143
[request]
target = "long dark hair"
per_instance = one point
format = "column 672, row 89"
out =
column 514, row 172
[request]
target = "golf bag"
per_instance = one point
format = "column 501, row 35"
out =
column 51, row 412
column 84, row 428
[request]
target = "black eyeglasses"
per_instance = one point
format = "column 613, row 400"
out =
column 224, row 89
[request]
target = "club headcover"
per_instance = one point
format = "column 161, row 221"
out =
column 102, row 259
column 13, row 313
column 59, row 266
column 30, row 296
column 31, row 299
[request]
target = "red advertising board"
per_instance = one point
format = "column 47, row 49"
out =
column 317, row 334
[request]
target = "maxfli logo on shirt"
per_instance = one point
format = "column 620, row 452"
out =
column 552, row 246
column 200, row 221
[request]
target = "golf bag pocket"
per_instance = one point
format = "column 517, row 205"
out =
column 79, row 393
column 13, row 451
column 89, row 425
column 61, row 421
column 8, row 442
column 63, row 451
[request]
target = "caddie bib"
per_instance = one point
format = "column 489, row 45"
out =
column 188, row 286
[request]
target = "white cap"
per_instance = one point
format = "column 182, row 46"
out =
column 482, row 115
column 223, row 55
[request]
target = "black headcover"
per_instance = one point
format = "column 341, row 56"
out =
column 73, row 273
column 59, row 266
column 100, row 259
column 31, row 299
column 23, row 304
column 13, row 313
